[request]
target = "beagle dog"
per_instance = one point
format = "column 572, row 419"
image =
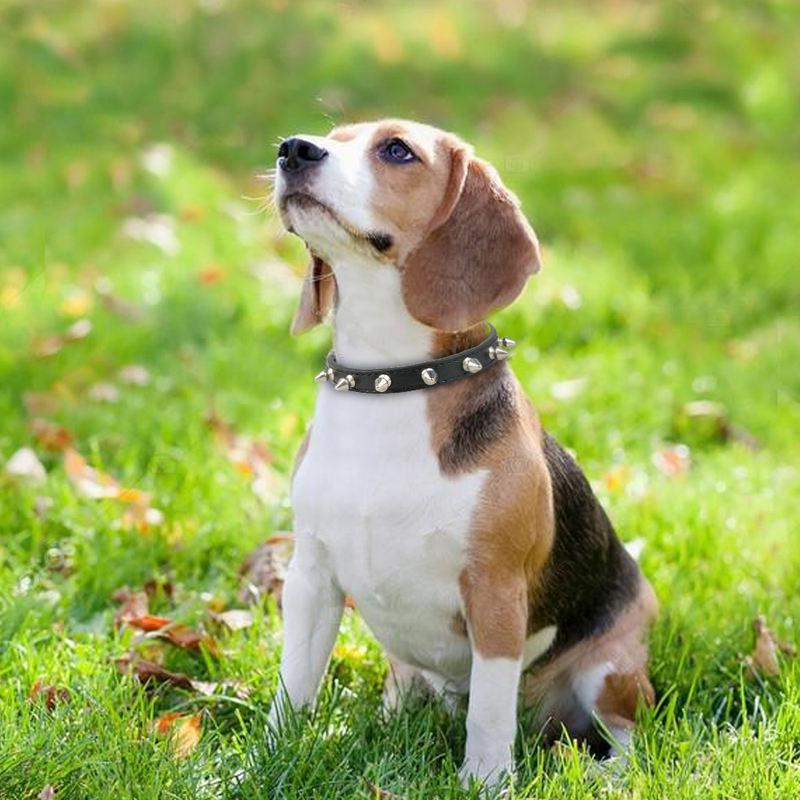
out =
column 470, row 541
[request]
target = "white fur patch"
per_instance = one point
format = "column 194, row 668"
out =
column 537, row 644
column 492, row 718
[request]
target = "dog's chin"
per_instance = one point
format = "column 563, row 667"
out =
column 322, row 227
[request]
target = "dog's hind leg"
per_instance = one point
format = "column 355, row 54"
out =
column 402, row 681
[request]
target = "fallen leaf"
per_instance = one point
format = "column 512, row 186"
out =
column 157, row 229
column 116, row 305
column 615, row 479
column 142, row 517
column 50, row 345
column 764, row 658
column 104, row 393
column 148, row 622
column 250, row 457
column 134, row 374
column 189, row 639
column 78, row 330
column 148, row 671
column 98, row 485
column 42, row 505
column 210, row 274
column 158, row 159
column 51, row 695
column 87, row 480
column 672, row 461
column 264, row 569
column 41, row 402
column 24, row 465
column 184, row 731
column 235, row 619
column 134, row 605
column 48, row 793
column 154, row 586
column 50, row 435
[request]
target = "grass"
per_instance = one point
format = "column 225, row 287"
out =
column 655, row 149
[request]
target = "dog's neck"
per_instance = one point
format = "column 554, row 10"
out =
column 372, row 326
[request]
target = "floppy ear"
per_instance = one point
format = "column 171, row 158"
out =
column 317, row 297
column 478, row 254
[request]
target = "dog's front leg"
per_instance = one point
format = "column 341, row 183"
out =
column 496, row 612
column 312, row 611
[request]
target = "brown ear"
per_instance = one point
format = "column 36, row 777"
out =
column 317, row 297
column 478, row 254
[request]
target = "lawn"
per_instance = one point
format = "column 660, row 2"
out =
column 145, row 297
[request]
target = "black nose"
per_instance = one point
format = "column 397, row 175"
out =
column 296, row 155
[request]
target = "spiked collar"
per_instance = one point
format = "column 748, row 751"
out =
column 424, row 375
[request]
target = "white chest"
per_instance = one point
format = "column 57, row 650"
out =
column 393, row 529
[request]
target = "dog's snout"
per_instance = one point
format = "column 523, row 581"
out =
column 296, row 154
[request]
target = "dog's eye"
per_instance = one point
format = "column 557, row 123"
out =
column 396, row 151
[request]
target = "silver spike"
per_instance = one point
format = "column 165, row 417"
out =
column 504, row 341
column 329, row 373
column 429, row 376
column 382, row 383
column 471, row 364
column 321, row 376
column 345, row 384
column 499, row 353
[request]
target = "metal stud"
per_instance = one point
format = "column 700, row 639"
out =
column 499, row 353
column 345, row 384
column 504, row 341
column 429, row 376
column 382, row 383
column 321, row 376
column 471, row 364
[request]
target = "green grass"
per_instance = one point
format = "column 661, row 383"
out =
column 655, row 149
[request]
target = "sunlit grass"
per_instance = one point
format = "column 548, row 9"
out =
column 654, row 147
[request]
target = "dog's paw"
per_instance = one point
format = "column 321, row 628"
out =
column 492, row 772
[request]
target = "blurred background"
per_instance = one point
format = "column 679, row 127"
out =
column 146, row 291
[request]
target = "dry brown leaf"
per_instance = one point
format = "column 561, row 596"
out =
column 134, row 374
column 764, row 658
column 41, row 402
column 92, row 483
column 264, row 570
column 250, row 457
column 142, row 517
column 189, row 639
column 103, row 393
column 150, row 672
column 87, row 480
column 184, row 731
column 672, row 461
column 50, row 695
column 50, row 345
column 24, row 465
column 116, row 305
column 149, row 622
column 134, row 605
column 50, row 435
column 235, row 619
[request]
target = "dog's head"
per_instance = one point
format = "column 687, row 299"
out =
column 416, row 199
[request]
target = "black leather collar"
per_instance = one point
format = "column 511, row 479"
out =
column 424, row 375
